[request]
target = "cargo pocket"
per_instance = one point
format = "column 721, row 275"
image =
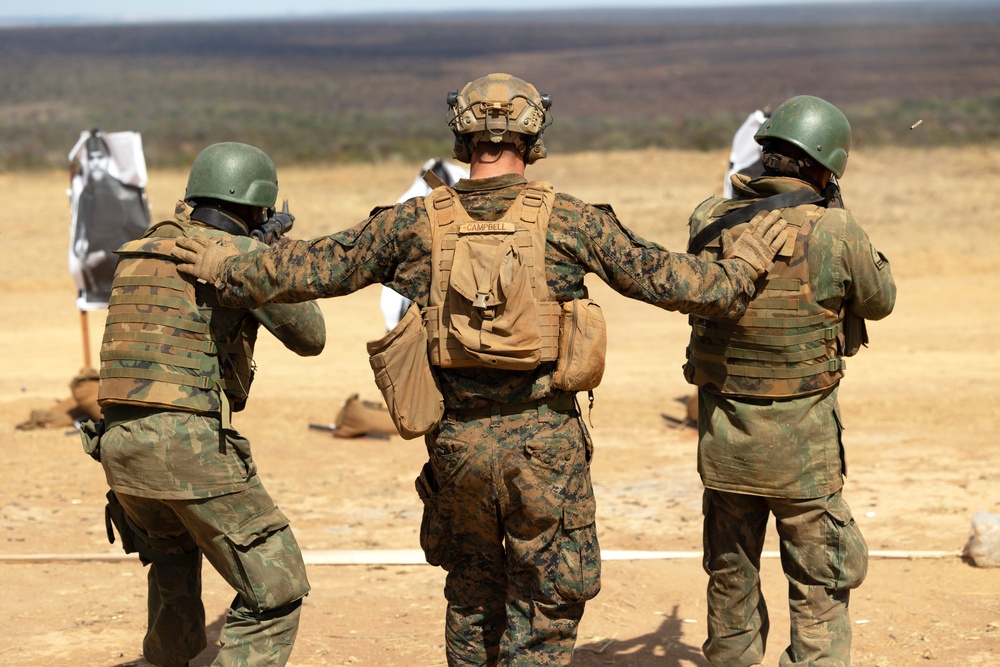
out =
column 840, row 439
column 579, row 574
column 268, row 562
column 706, row 527
column 431, row 529
column 847, row 549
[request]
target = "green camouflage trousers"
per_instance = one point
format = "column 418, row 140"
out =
column 823, row 556
column 509, row 513
column 248, row 541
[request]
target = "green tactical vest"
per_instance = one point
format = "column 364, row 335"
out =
column 489, row 301
column 786, row 344
column 164, row 346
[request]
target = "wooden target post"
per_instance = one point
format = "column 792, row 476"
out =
column 85, row 329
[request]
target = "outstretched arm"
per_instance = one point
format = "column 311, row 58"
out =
column 297, row 271
column 299, row 326
column 682, row 282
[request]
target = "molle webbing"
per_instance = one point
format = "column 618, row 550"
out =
column 786, row 344
column 157, row 348
column 521, row 230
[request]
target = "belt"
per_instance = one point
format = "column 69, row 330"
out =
column 122, row 412
column 563, row 403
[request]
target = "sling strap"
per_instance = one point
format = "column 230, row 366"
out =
column 746, row 213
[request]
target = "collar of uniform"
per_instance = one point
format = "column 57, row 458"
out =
column 492, row 183
column 211, row 216
column 765, row 186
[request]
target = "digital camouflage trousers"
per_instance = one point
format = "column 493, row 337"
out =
column 509, row 513
column 248, row 541
column 823, row 556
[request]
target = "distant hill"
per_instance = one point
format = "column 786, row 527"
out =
column 367, row 89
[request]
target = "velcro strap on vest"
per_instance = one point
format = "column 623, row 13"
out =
column 206, row 346
column 159, row 376
column 154, row 357
column 174, row 302
column 149, row 281
column 775, row 303
column 173, row 322
column 781, row 322
column 772, row 340
column 720, row 353
column 135, row 246
column 781, row 285
column 765, row 372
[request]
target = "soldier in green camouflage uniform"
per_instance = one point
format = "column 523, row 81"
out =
column 508, row 503
column 174, row 365
column 769, row 424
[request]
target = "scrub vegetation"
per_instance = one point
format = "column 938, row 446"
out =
column 336, row 91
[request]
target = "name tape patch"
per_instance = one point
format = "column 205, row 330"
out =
column 487, row 227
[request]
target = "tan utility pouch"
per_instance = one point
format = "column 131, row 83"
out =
column 493, row 311
column 489, row 303
column 583, row 345
column 403, row 375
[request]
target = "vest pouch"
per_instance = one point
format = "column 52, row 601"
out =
column 403, row 375
column 491, row 308
column 854, row 334
column 90, row 438
column 583, row 344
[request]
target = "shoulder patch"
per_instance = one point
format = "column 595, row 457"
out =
column 877, row 257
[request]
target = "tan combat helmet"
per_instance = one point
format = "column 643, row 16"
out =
column 502, row 109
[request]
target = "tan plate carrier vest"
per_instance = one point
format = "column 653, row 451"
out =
column 158, row 347
column 786, row 344
column 489, row 300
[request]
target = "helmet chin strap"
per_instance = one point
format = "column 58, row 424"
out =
column 785, row 164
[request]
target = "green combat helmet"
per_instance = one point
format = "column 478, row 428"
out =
column 499, row 108
column 815, row 126
column 236, row 173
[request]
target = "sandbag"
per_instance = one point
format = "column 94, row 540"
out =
column 358, row 417
column 84, row 389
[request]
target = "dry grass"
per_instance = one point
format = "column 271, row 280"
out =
column 920, row 408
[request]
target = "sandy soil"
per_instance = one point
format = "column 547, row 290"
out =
column 920, row 408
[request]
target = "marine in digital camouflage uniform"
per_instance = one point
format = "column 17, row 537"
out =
column 508, row 503
column 769, row 425
column 174, row 365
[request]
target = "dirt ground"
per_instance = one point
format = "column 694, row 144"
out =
column 920, row 407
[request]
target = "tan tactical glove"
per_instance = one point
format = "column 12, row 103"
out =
column 760, row 242
column 203, row 258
